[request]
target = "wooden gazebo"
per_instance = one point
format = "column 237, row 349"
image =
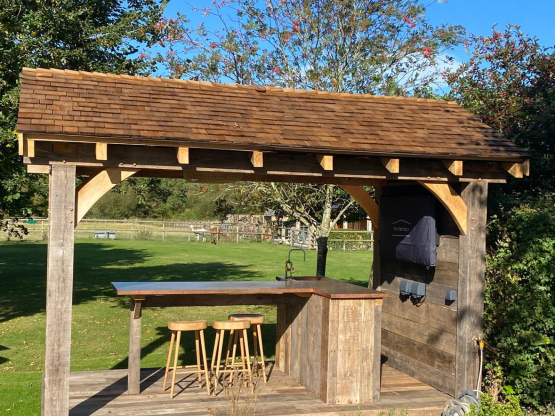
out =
column 110, row 127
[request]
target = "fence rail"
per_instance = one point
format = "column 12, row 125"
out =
column 206, row 231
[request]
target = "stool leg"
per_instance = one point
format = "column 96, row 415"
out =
column 220, row 348
column 242, row 346
column 214, row 354
column 168, row 361
column 228, row 351
column 259, row 336
column 177, row 343
column 197, row 348
column 204, row 362
column 255, row 347
column 234, row 351
column 248, row 357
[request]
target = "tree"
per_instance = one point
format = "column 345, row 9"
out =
column 94, row 35
column 359, row 46
column 318, row 208
column 509, row 83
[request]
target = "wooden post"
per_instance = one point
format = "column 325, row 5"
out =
column 134, row 363
column 472, row 259
column 59, row 288
column 375, row 274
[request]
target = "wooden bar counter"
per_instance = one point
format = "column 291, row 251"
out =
column 328, row 332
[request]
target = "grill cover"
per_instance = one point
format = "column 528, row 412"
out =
column 408, row 229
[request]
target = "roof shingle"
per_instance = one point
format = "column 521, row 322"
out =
column 121, row 106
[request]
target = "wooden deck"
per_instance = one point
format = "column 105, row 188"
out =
column 103, row 393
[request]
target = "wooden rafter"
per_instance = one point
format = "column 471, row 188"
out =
column 392, row 165
column 183, row 155
column 526, row 167
column 93, row 189
column 451, row 200
column 101, row 151
column 347, row 169
column 515, row 169
column 326, row 161
column 257, row 159
column 454, row 166
column 366, row 202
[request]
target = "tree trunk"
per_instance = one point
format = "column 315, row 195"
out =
column 322, row 243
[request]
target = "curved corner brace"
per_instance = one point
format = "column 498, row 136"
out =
column 366, row 202
column 96, row 186
column 451, row 200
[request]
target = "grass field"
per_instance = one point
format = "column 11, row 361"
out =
column 100, row 319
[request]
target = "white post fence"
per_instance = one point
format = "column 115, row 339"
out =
column 206, row 231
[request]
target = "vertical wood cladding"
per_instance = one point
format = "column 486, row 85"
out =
column 329, row 346
column 421, row 339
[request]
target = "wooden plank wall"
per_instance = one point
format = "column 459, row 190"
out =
column 421, row 339
column 329, row 346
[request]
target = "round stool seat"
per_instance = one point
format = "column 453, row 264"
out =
column 188, row 325
column 254, row 318
column 228, row 325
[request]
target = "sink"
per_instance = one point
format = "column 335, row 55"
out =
column 309, row 278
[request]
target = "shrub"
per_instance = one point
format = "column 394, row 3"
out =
column 488, row 407
column 520, row 302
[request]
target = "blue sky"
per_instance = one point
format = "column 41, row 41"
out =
column 534, row 16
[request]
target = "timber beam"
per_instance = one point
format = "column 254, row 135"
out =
column 326, row 161
column 451, row 200
column 257, row 159
column 516, row 169
column 276, row 166
column 96, row 186
column 365, row 201
column 392, row 165
column 454, row 166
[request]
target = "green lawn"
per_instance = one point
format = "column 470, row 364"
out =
column 100, row 319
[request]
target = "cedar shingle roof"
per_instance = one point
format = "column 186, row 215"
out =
column 126, row 107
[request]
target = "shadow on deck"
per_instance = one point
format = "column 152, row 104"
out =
column 103, row 393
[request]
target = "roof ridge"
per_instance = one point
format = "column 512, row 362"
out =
column 257, row 88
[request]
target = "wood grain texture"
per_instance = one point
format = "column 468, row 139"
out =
column 257, row 159
column 433, row 316
column 101, row 151
column 134, row 361
column 419, row 352
column 96, row 187
column 234, row 165
column 425, row 373
column 421, row 333
column 102, row 393
column 515, row 169
column 454, row 166
column 366, row 202
column 451, row 200
column 330, row 288
column 59, row 291
column 154, row 109
column 435, row 292
column 392, row 165
column 325, row 161
column 472, row 259
column 182, row 155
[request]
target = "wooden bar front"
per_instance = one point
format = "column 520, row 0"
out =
column 332, row 347
column 328, row 332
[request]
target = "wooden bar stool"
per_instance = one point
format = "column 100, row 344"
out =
column 256, row 321
column 238, row 331
column 176, row 328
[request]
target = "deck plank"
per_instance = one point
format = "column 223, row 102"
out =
column 104, row 393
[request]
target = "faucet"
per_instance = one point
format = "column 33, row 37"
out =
column 289, row 270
